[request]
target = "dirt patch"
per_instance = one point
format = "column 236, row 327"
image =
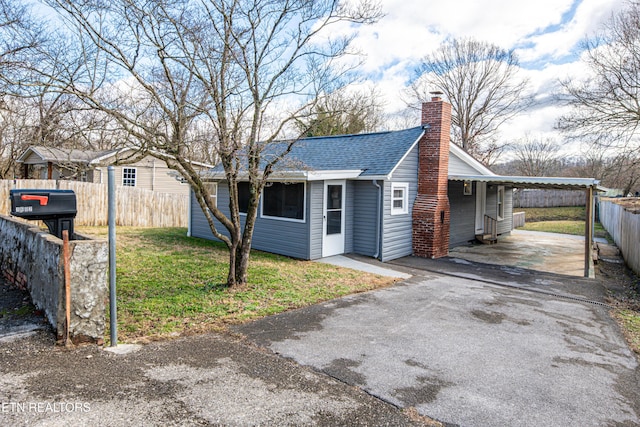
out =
column 623, row 292
column 622, row 285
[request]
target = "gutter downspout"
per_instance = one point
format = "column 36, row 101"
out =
column 377, row 254
column 189, row 213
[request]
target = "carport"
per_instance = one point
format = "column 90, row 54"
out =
column 588, row 185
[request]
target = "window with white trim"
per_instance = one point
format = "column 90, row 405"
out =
column 500, row 203
column 129, row 177
column 399, row 198
column 283, row 200
column 212, row 190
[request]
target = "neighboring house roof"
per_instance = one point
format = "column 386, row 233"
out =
column 119, row 155
column 61, row 155
column 86, row 157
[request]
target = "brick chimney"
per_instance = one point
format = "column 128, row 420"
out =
column 431, row 212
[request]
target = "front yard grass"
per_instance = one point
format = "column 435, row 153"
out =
column 169, row 284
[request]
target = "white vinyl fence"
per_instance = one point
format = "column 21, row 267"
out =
column 134, row 206
column 624, row 227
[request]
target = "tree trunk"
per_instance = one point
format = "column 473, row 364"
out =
column 242, row 264
column 231, row 276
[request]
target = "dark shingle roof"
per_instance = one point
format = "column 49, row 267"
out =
column 373, row 153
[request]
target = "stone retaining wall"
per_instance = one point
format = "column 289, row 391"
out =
column 31, row 259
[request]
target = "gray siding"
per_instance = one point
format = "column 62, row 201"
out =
column 459, row 167
column 506, row 225
column 397, row 229
column 197, row 221
column 34, row 159
column 281, row 237
column 315, row 190
column 349, row 217
column 364, row 217
column 463, row 214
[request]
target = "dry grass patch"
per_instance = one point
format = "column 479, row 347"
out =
column 630, row 321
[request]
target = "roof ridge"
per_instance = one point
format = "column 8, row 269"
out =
column 354, row 135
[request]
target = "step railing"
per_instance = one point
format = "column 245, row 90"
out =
column 491, row 227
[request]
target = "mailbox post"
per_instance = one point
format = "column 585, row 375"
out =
column 56, row 208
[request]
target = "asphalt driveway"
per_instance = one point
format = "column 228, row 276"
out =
column 468, row 352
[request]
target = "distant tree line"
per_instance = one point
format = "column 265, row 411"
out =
column 547, row 157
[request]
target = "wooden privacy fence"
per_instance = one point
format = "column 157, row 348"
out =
column 623, row 224
column 548, row 198
column 134, row 206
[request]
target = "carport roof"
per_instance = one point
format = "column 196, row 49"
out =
column 531, row 181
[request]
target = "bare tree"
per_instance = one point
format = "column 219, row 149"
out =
column 536, row 156
column 605, row 108
column 14, row 128
column 32, row 111
column 608, row 103
column 403, row 119
column 167, row 70
column 614, row 168
column 481, row 82
column 19, row 36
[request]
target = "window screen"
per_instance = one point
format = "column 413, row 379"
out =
column 284, row 200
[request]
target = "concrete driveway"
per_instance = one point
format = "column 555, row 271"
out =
column 468, row 352
column 549, row 252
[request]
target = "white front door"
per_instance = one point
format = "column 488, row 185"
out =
column 333, row 236
column 481, row 206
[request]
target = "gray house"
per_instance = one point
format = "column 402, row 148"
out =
column 384, row 195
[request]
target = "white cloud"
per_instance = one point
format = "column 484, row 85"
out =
column 545, row 34
column 561, row 41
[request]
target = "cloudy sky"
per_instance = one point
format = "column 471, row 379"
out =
column 546, row 35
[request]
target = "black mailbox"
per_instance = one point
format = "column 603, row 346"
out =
column 56, row 208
